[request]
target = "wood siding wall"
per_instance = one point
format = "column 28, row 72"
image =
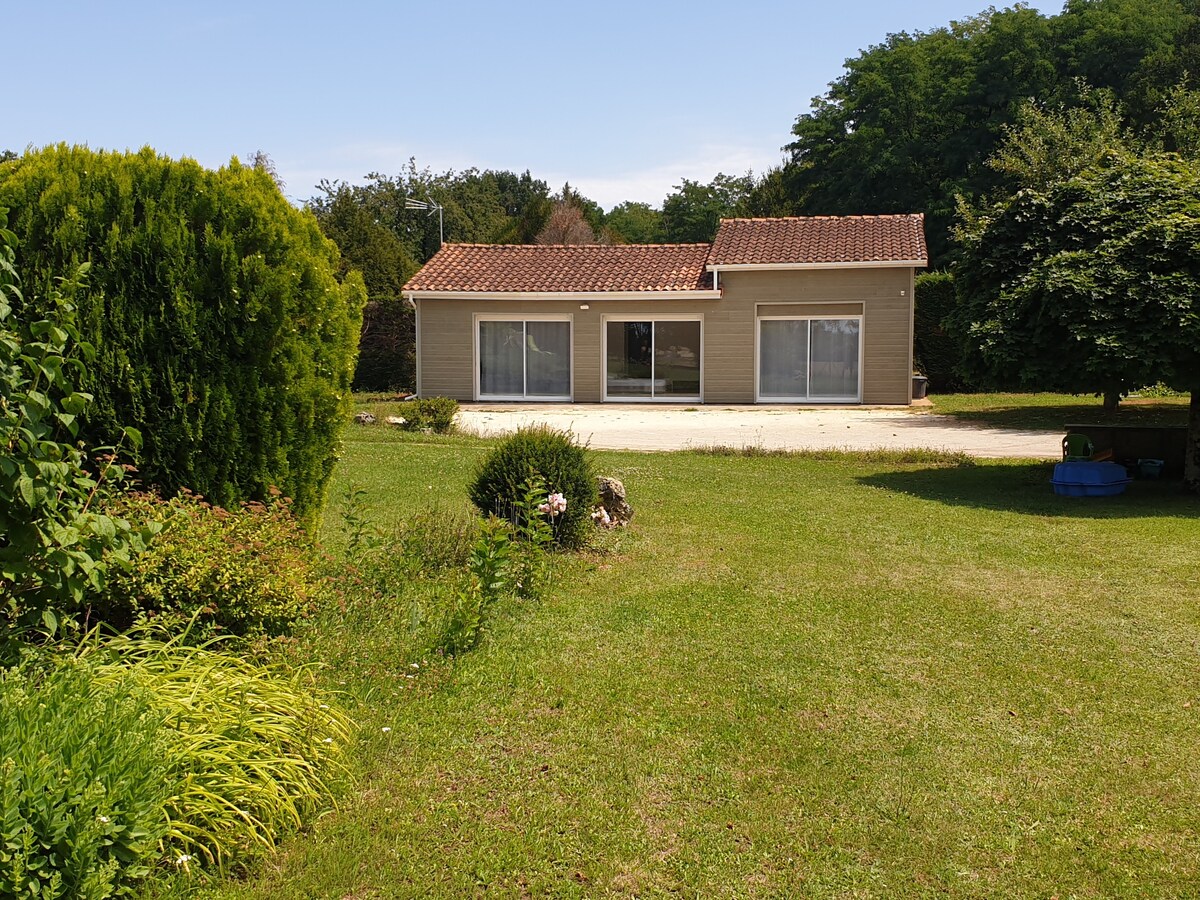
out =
column 882, row 296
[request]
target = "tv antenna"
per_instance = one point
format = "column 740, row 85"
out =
column 430, row 207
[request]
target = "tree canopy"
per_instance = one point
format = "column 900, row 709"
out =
column 1089, row 283
column 693, row 211
column 635, row 223
column 909, row 124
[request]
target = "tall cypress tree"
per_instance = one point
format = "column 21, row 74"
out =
column 222, row 330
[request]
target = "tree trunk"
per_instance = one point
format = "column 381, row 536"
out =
column 1191, row 453
column 1111, row 399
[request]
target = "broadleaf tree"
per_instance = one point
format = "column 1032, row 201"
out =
column 693, row 211
column 1090, row 283
column 909, row 123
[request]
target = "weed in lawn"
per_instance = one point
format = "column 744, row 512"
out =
column 360, row 534
column 437, row 540
column 487, row 580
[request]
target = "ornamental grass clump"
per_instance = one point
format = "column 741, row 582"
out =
column 249, row 752
column 551, row 459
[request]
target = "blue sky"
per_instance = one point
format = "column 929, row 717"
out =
column 622, row 99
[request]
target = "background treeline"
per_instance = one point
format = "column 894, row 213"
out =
column 908, row 126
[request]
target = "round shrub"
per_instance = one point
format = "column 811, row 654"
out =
column 434, row 414
column 222, row 331
column 538, row 452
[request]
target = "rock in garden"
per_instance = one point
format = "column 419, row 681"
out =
column 613, row 500
column 364, row 418
column 395, row 420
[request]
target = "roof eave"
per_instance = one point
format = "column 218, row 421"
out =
column 419, row 294
column 847, row 264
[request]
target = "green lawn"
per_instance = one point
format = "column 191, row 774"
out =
column 790, row 677
column 1051, row 412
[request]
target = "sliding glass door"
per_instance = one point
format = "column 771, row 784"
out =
column 524, row 359
column 809, row 360
column 652, row 359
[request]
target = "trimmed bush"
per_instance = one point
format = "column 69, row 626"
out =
column 221, row 329
column 433, row 413
column 935, row 353
column 244, row 571
column 538, row 453
column 83, row 783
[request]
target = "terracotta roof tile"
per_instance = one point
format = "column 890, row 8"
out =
column 819, row 239
column 502, row 268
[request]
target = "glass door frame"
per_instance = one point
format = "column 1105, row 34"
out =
column 758, row 398
column 651, row 318
column 523, row 318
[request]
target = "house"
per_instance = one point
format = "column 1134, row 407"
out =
column 786, row 310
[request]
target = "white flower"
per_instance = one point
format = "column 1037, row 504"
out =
column 183, row 859
column 327, row 741
column 104, row 819
column 386, row 729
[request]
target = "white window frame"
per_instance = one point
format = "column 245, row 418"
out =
column 651, row 318
column 758, row 398
column 523, row 318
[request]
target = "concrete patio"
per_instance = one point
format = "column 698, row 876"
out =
column 635, row 426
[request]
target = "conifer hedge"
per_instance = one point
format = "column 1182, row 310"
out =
column 222, row 331
column 936, row 353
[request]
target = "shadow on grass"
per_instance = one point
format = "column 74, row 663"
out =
column 1056, row 417
column 1025, row 488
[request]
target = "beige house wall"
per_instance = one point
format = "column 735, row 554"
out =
column 883, row 296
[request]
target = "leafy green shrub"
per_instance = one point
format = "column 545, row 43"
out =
column 435, row 414
column 541, row 454
column 244, row 571
column 223, row 333
column 936, row 354
column 249, row 750
column 83, row 782
column 54, row 542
